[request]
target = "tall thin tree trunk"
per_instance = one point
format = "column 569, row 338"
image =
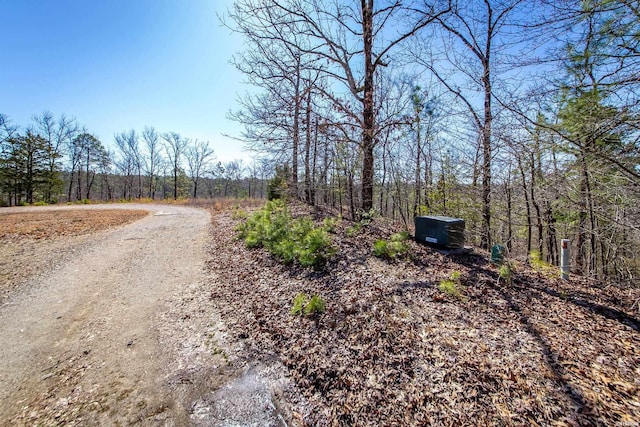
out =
column 508, row 191
column 552, row 245
column 418, row 172
column 87, row 180
column 525, row 191
column 79, row 184
column 536, row 206
column 582, row 263
column 175, row 177
column 485, row 239
column 296, row 134
column 70, row 183
column 428, row 180
column 307, row 151
column 368, row 113
column 314, row 185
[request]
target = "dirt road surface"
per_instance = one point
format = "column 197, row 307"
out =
column 119, row 334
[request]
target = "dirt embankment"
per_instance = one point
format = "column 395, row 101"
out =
column 392, row 349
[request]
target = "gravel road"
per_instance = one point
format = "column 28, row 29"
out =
column 117, row 334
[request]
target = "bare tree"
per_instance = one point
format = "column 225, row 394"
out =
column 352, row 44
column 473, row 34
column 105, row 170
column 275, row 61
column 152, row 158
column 232, row 175
column 199, row 154
column 175, row 146
column 127, row 161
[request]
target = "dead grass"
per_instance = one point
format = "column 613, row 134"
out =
column 218, row 205
column 35, row 242
column 54, row 223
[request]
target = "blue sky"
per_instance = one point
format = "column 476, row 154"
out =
column 117, row 65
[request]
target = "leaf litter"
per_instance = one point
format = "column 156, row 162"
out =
column 391, row 349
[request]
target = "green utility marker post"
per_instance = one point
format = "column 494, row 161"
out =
column 497, row 254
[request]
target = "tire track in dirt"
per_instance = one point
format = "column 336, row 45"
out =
column 80, row 345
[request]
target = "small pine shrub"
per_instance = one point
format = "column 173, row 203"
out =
column 449, row 287
column 367, row 217
column 316, row 305
column 303, row 305
column 380, row 248
column 505, row 273
column 299, row 302
column 273, row 228
column 400, row 237
column 453, row 287
column 284, row 249
column 394, row 247
column 536, row 261
column 330, row 223
column 354, row 229
column 315, row 248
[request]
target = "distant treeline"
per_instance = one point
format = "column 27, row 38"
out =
column 54, row 160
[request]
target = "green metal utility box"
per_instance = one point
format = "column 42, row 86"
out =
column 440, row 231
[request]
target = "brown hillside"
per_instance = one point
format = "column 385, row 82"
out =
column 392, row 349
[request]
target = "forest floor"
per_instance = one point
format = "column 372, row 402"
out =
column 170, row 321
column 392, row 349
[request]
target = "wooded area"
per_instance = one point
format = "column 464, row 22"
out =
column 520, row 116
column 56, row 160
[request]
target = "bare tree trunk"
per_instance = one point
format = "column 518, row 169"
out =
column 418, row 174
column 296, row 133
column 307, row 150
column 352, row 206
column 525, row 191
column 428, row 177
column 368, row 114
column 384, row 202
column 314, row 185
column 485, row 239
column 508, row 191
column 324, row 174
column 79, row 185
column 583, row 234
column 536, row 206
column 552, row 244
column 88, row 180
column 71, row 173
column 593, row 232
